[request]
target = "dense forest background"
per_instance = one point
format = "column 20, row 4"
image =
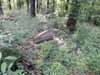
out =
column 49, row 37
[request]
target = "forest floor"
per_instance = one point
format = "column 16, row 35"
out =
column 66, row 54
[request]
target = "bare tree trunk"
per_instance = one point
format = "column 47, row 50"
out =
column 37, row 6
column 32, row 8
column 47, row 6
column 66, row 7
column 53, row 6
column 9, row 4
column 27, row 2
column 19, row 3
column 1, row 10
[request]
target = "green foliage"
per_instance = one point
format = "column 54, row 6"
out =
column 89, row 43
column 6, row 38
column 43, row 54
column 96, row 20
column 61, row 7
column 54, row 69
column 8, row 58
column 25, row 28
column 46, row 48
column 58, row 23
column 10, row 52
column 88, row 10
column 53, row 59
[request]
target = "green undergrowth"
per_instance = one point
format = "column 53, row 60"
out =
column 81, row 52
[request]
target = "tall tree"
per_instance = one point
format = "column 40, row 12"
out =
column 48, row 6
column 1, row 10
column 9, row 4
column 72, row 18
column 27, row 2
column 32, row 8
column 37, row 6
column 53, row 6
column 19, row 3
column 66, row 6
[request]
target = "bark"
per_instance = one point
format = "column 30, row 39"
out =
column 32, row 8
column 1, row 10
column 37, row 6
column 27, row 2
column 9, row 4
column 66, row 7
column 47, row 6
column 19, row 4
column 53, row 6
column 44, row 36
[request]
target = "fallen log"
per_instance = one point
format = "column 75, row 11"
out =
column 44, row 36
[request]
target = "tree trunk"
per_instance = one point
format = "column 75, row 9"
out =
column 67, row 3
column 47, row 6
column 74, row 12
column 9, row 4
column 37, row 6
column 53, row 6
column 1, row 10
column 44, row 36
column 27, row 2
column 32, row 8
column 19, row 4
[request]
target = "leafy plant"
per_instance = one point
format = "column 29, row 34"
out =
column 8, row 60
column 54, row 68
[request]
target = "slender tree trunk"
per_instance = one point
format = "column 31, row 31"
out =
column 37, row 6
column 53, row 6
column 27, row 2
column 40, row 5
column 9, row 4
column 1, row 10
column 19, row 5
column 14, row 4
column 47, row 6
column 74, row 12
column 32, row 8
column 66, row 7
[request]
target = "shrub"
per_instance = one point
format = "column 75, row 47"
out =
column 8, row 61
